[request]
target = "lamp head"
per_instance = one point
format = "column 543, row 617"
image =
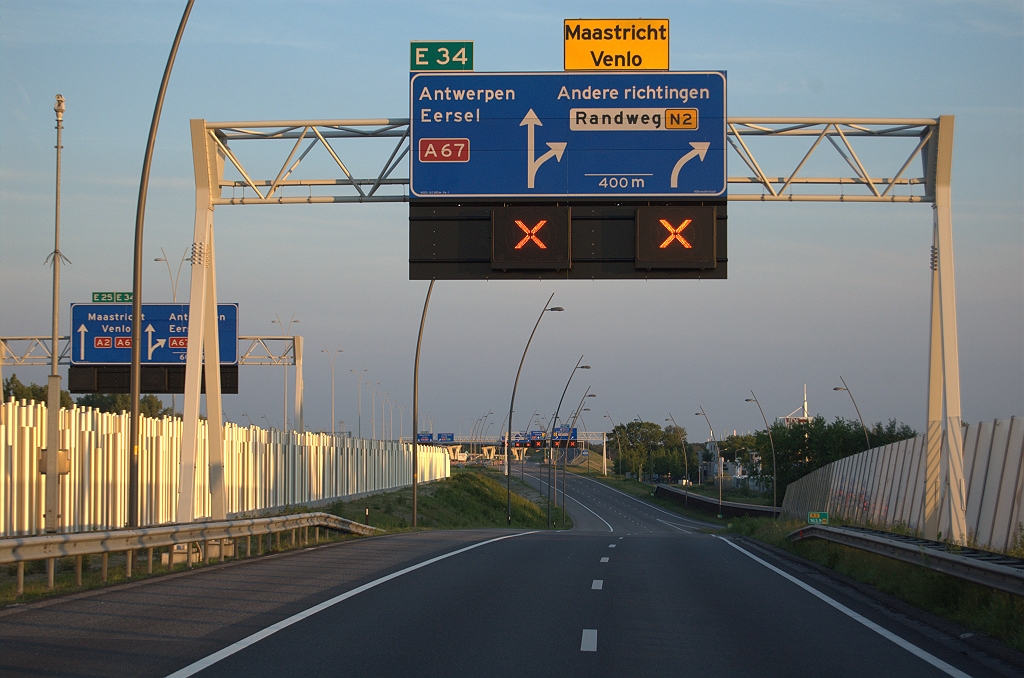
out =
column 556, row 308
column 750, row 400
column 697, row 414
column 838, row 388
column 58, row 107
column 592, row 395
column 583, row 367
column 159, row 259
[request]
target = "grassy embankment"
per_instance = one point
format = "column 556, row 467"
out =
column 469, row 499
column 978, row 608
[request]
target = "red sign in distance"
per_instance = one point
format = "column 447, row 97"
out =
column 178, row 342
column 102, row 342
column 122, row 342
column 444, row 150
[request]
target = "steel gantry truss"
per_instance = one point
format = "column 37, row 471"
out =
column 832, row 162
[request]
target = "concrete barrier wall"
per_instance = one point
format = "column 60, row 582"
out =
column 884, row 486
column 263, row 468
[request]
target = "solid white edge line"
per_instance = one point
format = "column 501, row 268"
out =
column 237, row 646
column 673, row 526
column 699, row 523
column 610, row 528
column 885, row 633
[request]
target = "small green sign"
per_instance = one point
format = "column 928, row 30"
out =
column 441, row 56
column 111, row 297
column 817, row 517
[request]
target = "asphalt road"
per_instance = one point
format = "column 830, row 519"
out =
column 630, row 591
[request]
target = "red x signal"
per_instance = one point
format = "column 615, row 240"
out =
column 675, row 234
column 531, row 234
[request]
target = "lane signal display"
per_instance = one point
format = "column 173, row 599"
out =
column 530, row 238
column 675, row 237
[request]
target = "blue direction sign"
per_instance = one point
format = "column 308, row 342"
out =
column 606, row 135
column 424, row 437
column 102, row 334
column 446, row 437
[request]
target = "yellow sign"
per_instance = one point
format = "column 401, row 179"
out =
column 681, row 118
column 616, row 44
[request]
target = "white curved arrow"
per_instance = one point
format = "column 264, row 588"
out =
column 152, row 346
column 700, row 148
column 532, row 165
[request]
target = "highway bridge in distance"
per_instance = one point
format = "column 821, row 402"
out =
column 631, row 590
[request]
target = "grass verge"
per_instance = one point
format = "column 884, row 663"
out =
column 978, row 608
column 471, row 498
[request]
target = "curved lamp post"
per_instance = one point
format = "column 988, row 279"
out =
column 846, row 388
column 686, row 462
column 775, row 478
column 512, row 403
column 720, row 472
column 554, row 422
column 565, row 457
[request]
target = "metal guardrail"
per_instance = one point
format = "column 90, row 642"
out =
column 51, row 546
column 995, row 570
column 709, row 504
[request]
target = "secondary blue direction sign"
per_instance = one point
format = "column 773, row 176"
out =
column 446, row 437
column 424, row 437
column 604, row 135
column 102, row 334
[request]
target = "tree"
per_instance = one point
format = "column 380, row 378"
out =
column 804, row 447
column 149, row 404
column 13, row 388
column 645, row 447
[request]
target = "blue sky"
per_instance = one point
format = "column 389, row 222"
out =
column 815, row 290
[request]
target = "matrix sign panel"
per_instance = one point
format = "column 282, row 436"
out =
column 675, row 237
column 558, row 135
column 530, row 237
column 102, row 334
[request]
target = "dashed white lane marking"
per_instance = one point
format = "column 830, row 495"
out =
column 605, row 559
column 589, row 642
column 597, row 585
column 611, row 546
column 620, row 538
column 240, row 645
column 885, row 633
column 673, row 526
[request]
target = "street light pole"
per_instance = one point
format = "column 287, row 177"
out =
column 565, row 458
column 847, row 389
column 53, row 381
column 284, row 404
column 174, row 295
column 140, row 218
column 686, row 463
column 512, row 404
column 416, row 404
column 720, row 472
column 331, row 356
column 775, row 478
column 551, row 438
column 359, row 395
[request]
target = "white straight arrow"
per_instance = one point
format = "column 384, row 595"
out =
column 532, row 165
column 152, row 346
column 700, row 148
column 81, row 350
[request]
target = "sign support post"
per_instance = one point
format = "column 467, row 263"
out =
column 202, row 337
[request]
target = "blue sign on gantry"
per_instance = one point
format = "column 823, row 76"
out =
column 556, row 135
column 101, row 334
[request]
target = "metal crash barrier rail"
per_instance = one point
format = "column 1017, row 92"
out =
column 995, row 570
column 222, row 534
